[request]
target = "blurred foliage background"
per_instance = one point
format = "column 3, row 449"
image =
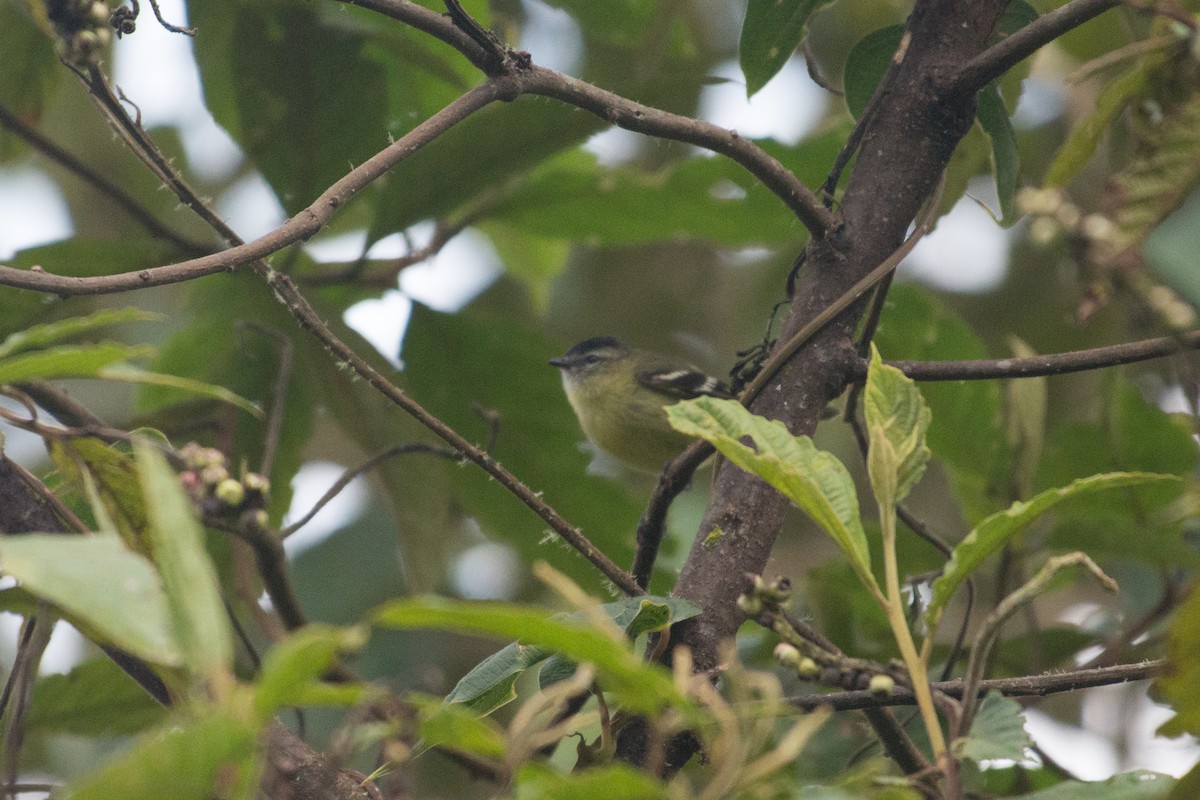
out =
column 572, row 229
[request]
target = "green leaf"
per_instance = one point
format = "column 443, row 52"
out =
column 94, row 699
column 866, row 64
column 998, row 731
column 896, row 416
column 1138, row 785
column 189, row 761
column 1079, row 147
column 1025, row 412
column 68, row 361
column 293, row 667
column 812, row 479
column 128, row 373
column 991, row 534
column 29, row 75
column 177, row 544
column 572, row 197
column 1006, row 159
column 100, row 586
column 38, row 336
column 612, row 782
column 969, row 437
column 1181, row 684
column 771, row 32
column 306, row 106
column 640, row 686
column 490, row 684
column 1017, row 14
column 457, row 726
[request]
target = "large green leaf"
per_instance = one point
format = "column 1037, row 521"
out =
column 38, row 336
column 294, row 91
column 990, row 535
column 1140, row 785
column 98, row 584
column 290, row 673
column 812, row 479
column 94, row 699
column 197, row 612
column 771, row 32
column 67, row 361
column 638, row 685
column 997, row 732
column 215, row 756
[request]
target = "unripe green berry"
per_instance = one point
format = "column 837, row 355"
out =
column 751, row 605
column 881, row 685
column 230, row 492
column 787, row 655
column 808, row 669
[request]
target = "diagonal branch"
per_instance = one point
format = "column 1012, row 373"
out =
column 13, row 124
column 1006, row 54
column 299, row 228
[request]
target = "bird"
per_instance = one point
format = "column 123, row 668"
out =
column 619, row 394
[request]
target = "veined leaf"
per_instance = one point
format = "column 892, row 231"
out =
column 991, row 534
column 812, row 479
column 896, row 416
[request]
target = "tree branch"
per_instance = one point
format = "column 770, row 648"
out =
column 13, row 124
column 1049, row 364
column 299, row 228
column 1006, row 54
column 1025, row 686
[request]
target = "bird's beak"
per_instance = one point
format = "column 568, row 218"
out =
column 561, row 362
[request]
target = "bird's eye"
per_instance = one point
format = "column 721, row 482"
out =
column 591, row 359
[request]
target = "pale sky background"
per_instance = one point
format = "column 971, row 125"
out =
column 168, row 93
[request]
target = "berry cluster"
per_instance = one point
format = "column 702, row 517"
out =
column 216, row 493
column 84, row 28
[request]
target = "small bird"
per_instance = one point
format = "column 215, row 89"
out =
column 619, row 394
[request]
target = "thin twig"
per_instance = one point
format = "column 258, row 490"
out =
column 1005, row 609
column 1051, row 364
column 301, row 227
column 352, row 473
column 140, row 214
column 1024, row 686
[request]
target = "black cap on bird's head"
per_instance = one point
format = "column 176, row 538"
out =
column 590, row 353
